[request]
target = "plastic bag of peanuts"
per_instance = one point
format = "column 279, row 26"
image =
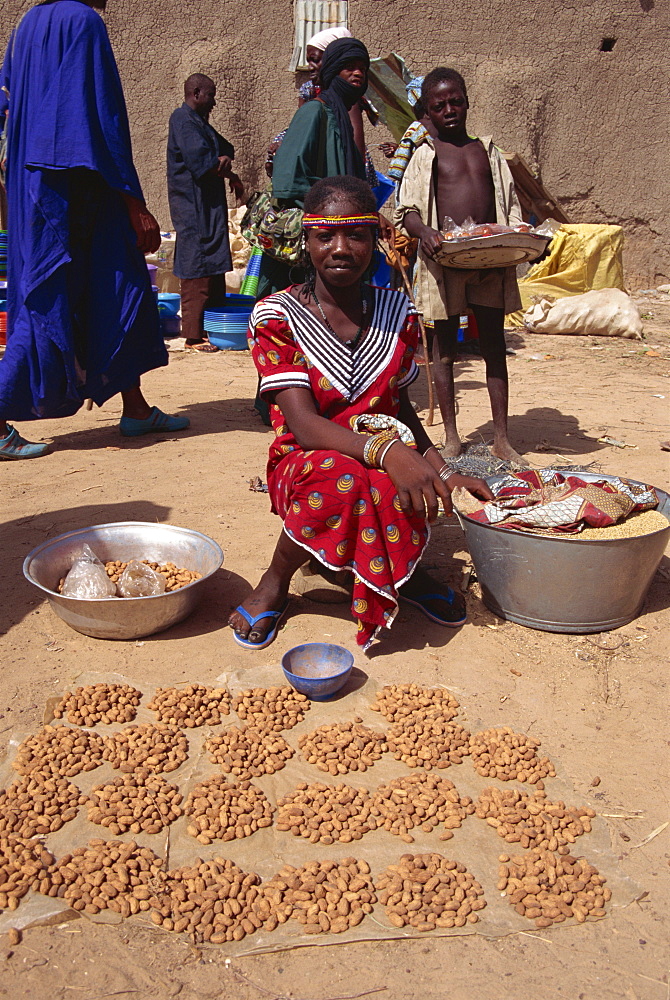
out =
column 140, row 580
column 87, row 578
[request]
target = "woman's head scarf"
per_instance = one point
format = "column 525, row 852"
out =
column 340, row 95
column 337, row 55
column 322, row 39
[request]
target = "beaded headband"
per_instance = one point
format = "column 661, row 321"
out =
column 335, row 221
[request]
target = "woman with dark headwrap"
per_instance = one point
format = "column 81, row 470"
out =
column 319, row 141
column 311, row 88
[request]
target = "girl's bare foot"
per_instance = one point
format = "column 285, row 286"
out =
column 505, row 451
column 269, row 595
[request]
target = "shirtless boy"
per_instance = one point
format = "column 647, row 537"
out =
column 454, row 174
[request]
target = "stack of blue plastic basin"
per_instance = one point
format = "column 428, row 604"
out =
column 226, row 326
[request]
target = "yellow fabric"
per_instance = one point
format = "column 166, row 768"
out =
column 582, row 257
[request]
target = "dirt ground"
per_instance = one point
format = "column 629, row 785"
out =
column 598, row 704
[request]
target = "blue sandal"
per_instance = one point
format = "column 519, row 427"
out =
column 449, row 600
column 252, row 619
column 157, row 421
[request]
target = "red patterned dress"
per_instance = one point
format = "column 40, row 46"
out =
column 340, row 511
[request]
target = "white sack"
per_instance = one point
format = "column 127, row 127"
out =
column 605, row 312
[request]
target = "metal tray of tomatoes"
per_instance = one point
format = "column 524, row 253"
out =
column 497, row 250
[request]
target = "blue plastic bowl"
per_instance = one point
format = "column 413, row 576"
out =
column 317, row 669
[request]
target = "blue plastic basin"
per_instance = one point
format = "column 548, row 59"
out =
column 229, row 340
column 317, row 669
column 169, row 303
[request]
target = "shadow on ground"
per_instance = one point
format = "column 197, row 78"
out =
column 222, row 592
column 658, row 597
column 544, row 428
column 206, row 418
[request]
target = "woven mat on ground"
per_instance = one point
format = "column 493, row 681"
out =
column 475, row 844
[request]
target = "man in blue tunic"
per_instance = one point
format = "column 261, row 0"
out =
column 198, row 161
column 82, row 320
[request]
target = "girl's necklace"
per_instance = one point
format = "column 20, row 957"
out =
column 355, row 341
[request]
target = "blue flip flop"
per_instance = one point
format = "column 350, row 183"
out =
column 252, row 619
column 417, row 602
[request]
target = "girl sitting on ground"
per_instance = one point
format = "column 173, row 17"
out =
column 352, row 473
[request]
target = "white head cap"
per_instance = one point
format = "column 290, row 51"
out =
column 323, row 38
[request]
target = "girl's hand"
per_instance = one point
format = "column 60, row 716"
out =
column 416, row 481
column 471, row 483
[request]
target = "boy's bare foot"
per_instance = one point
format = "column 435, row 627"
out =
column 451, row 448
column 506, row 452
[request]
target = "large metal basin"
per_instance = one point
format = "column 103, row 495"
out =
column 561, row 585
column 129, row 617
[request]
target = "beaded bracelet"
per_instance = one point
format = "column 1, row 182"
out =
column 366, row 450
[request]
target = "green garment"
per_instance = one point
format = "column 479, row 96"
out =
column 311, row 149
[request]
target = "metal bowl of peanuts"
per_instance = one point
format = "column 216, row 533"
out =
column 185, row 557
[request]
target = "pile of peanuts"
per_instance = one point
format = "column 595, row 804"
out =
column 550, row 888
column 210, row 901
column 107, row 875
column 215, row 900
column 21, row 865
column 135, row 803
column 160, row 748
column 326, row 813
column 223, row 810
column 59, row 750
column 400, row 701
column 427, row 891
column 504, row 754
column 95, row 703
column 420, row 800
column 326, row 897
column 532, row 821
column 248, row 752
column 175, row 578
column 273, row 708
column 341, row 747
column 38, row 804
column 428, row 742
column 192, row 706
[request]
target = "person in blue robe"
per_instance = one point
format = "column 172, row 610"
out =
column 82, row 320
